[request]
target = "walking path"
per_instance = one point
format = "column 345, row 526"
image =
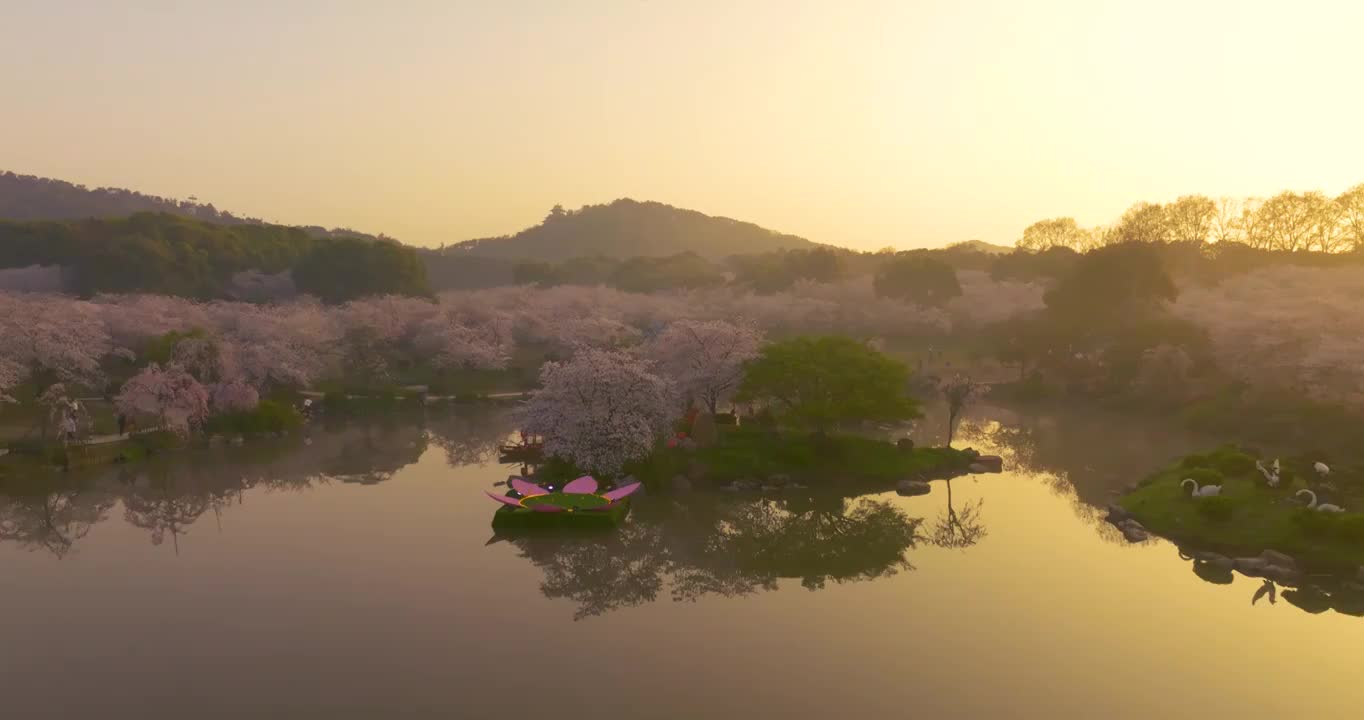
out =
column 113, row 438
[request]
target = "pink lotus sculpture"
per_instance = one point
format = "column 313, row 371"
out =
column 580, row 494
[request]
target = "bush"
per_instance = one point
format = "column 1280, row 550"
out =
column 267, row 417
column 1217, row 508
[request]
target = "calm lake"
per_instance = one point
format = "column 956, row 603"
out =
column 358, row 576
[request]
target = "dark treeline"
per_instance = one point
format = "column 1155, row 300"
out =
column 28, row 197
column 174, row 255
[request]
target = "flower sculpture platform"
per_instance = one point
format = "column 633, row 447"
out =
column 577, row 505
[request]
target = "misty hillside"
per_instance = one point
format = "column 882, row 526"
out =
column 26, row 198
column 629, row 228
column 981, row 246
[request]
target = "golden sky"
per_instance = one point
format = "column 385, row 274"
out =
column 859, row 123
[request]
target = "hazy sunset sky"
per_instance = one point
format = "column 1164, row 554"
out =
column 862, row 124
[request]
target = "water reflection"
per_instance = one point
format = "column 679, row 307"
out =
column 679, row 548
column 958, row 528
column 167, row 496
column 39, row 517
column 722, row 546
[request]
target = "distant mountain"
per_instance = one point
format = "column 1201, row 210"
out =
column 25, row 198
column 982, row 247
column 629, row 228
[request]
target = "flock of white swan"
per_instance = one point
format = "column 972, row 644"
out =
column 1271, row 474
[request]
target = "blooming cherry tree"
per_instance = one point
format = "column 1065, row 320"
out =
column 170, row 394
column 52, row 339
column 600, row 410
column 706, row 357
column 234, row 396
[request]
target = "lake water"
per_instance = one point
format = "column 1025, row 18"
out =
column 358, row 577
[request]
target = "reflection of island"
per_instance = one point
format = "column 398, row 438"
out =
column 1341, row 596
column 724, row 547
column 169, row 494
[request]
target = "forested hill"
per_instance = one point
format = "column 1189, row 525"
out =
column 629, row 228
column 28, row 197
column 173, row 255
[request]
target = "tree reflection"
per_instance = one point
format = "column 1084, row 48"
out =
column 470, row 437
column 729, row 549
column 168, row 494
column 958, row 529
column 51, row 519
column 162, row 506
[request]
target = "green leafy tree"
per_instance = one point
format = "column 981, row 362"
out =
column 1114, row 282
column 822, row 382
column 348, row 268
column 919, row 280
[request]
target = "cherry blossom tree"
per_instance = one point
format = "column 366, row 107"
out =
column 705, row 358
column 11, row 374
column 600, row 410
column 54, row 339
column 170, row 394
column 233, row 396
column 286, row 345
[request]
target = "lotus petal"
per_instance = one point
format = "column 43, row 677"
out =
column 621, row 492
column 504, row 499
column 584, row 485
column 527, row 488
column 545, row 507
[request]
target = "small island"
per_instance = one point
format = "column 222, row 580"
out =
column 1259, row 516
column 819, row 412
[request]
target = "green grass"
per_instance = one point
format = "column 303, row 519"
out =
column 510, row 518
column 569, row 501
column 1248, row 517
column 267, row 417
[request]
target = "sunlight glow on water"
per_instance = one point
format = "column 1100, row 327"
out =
column 366, row 598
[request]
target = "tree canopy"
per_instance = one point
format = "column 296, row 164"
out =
column 920, row 280
column 173, row 255
column 1118, row 280
column 821, row 382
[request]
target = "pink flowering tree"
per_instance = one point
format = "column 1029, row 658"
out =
column 288, row 345
column 600, row 410
column 52, row 339
column 11, row 374
column 170, row 394
column 705, row 358
column 233, row 396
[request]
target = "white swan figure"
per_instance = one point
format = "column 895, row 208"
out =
column 1205, row 491
column 1324, row 507
column 1271, row 476
column 1322, row 468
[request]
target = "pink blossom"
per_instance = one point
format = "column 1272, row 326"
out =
column 234, row 396
column 706, row 358
column 54, row 334
column 600, row 410
column 171, row 395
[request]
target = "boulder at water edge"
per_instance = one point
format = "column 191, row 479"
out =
column 913, row 487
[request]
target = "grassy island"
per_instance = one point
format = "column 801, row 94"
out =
column 1249, row 516
column 754, row 453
